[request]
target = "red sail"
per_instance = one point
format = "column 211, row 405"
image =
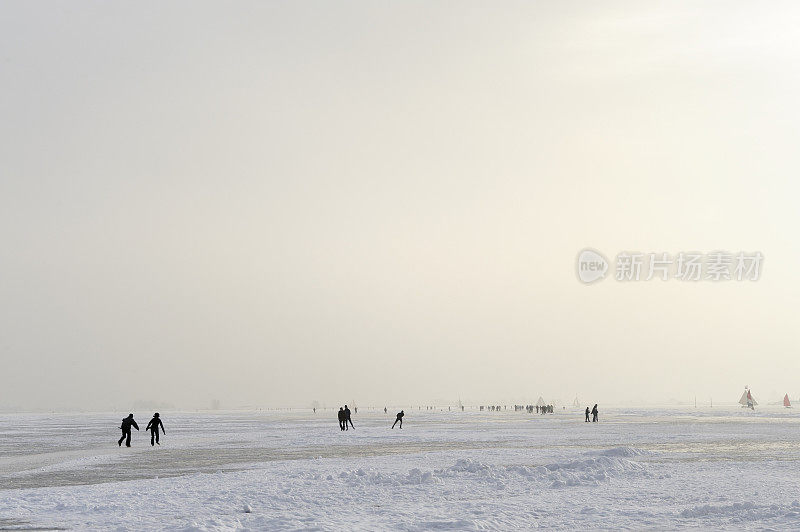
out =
column 786, row 400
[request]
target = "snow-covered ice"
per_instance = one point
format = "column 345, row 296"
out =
column 636, row 469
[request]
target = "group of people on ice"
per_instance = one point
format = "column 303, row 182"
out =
column 345, row 421
column 539, row 409
column 129, row 423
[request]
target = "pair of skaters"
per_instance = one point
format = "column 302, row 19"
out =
column 344, row 418
column 593, row 412
column 129, row 422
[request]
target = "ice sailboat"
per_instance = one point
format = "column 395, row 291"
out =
column 786, row 402
column 576, row 402
column 746, row 400
column 540, row 403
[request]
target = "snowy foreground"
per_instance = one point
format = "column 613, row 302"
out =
column 636, row 469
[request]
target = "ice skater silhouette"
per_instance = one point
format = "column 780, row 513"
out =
column 347, row 418
column 400, row 415
column 152, row 426
column 126, row 430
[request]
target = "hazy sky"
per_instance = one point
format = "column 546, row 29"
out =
column 269, row 203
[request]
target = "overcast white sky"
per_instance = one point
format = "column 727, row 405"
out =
column 269, row 203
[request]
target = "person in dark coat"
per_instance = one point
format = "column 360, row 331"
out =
column 587, row 414
column 594, row 414
column 152, row 426
column 347, row 418
column 400, row 415
column 341, row 418
column 127, row 423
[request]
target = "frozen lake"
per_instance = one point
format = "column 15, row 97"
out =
column 637, row 468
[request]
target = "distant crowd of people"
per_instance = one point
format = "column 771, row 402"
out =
column 129, row 423
column 539, row 409
column 346, row 422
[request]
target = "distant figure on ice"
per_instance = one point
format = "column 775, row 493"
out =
column 587, row 414
column 126, row 430
column 400, row 415
column 347, row 418
column 385, row 410
column 152, row 426
column 341, row 418
column 594, row 414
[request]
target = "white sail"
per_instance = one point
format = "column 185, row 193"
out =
column 747, row 400
column 743, row 398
